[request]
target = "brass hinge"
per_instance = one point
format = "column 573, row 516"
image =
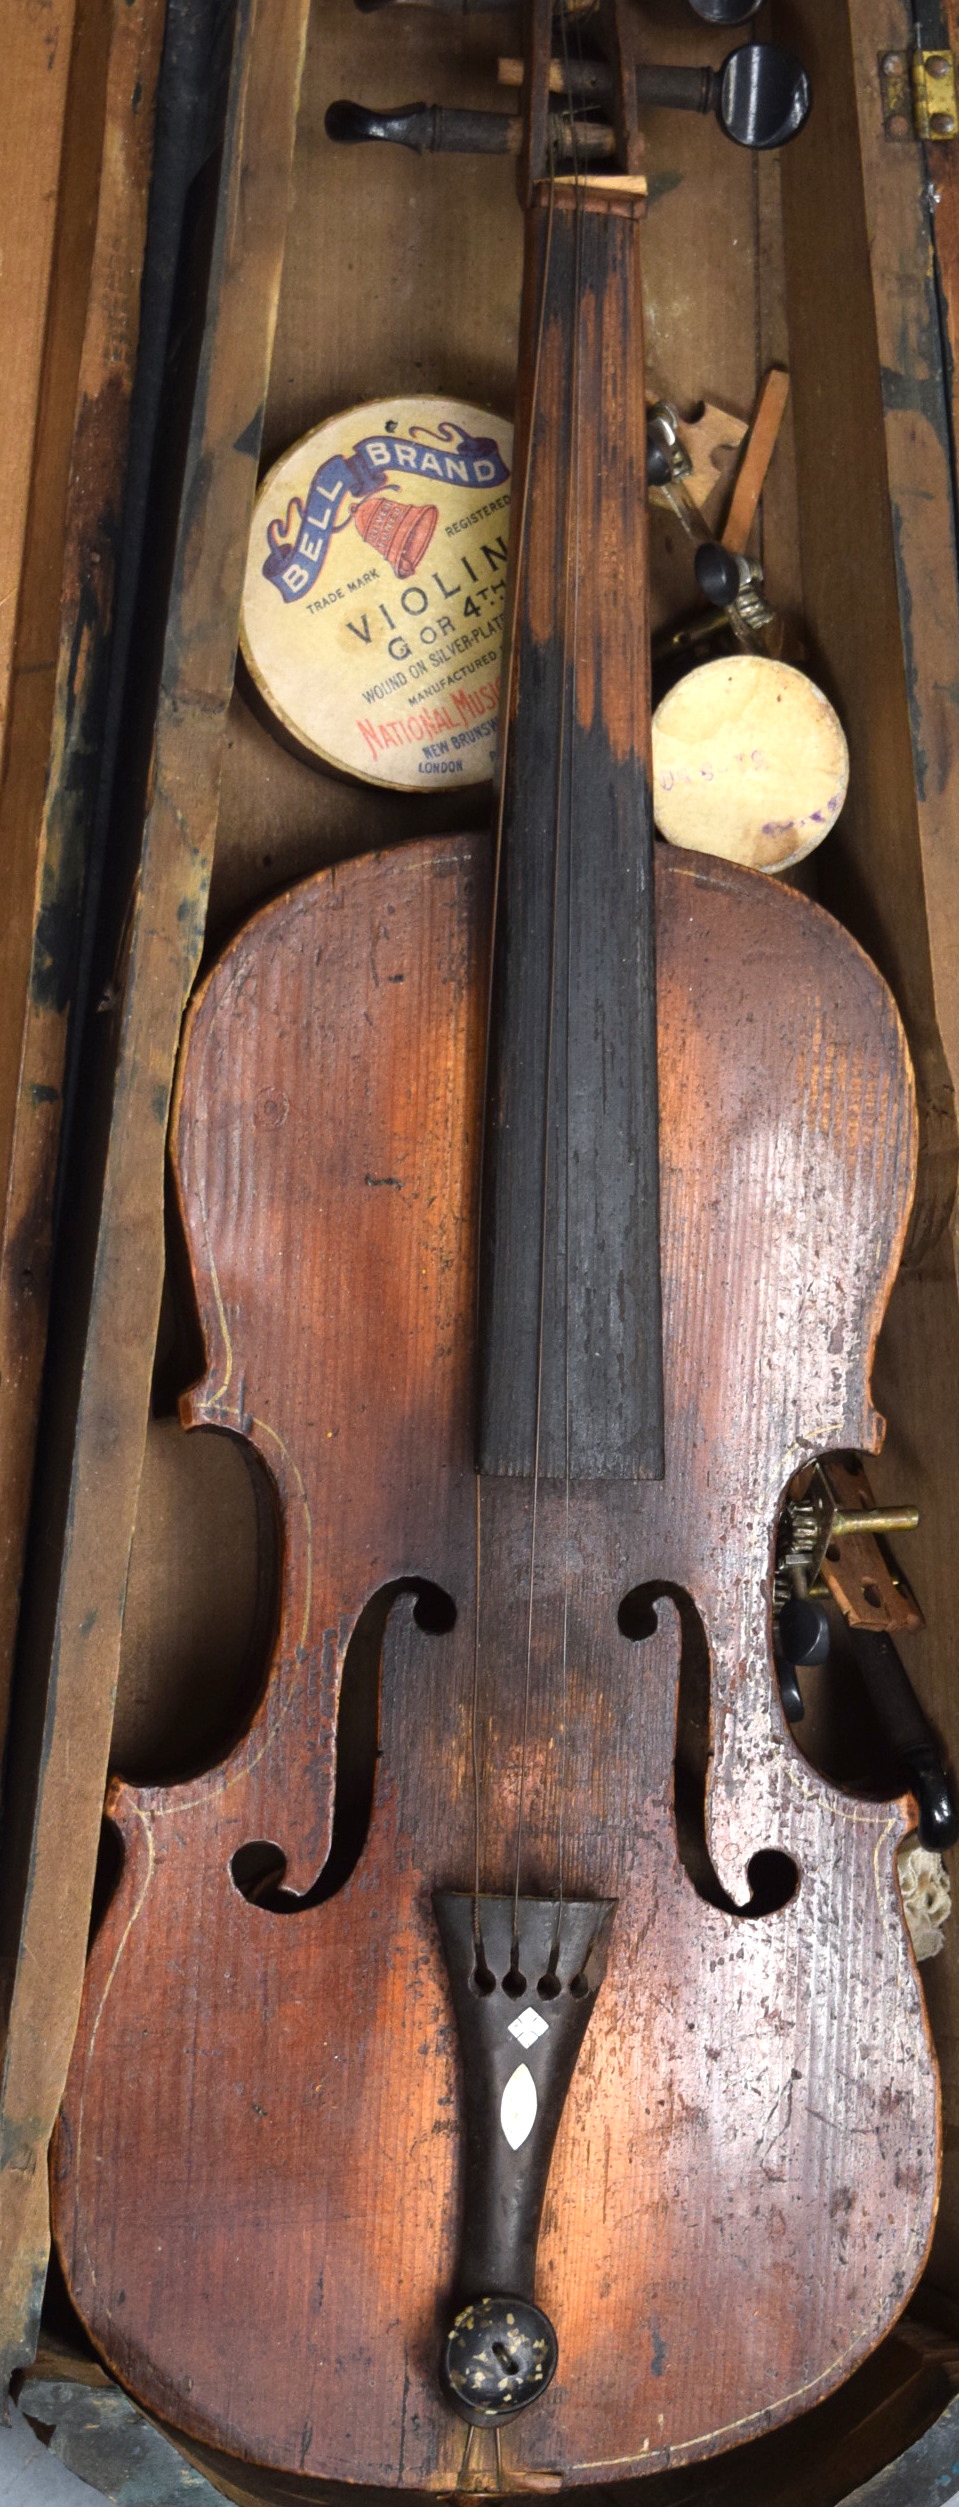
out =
column 918, row 92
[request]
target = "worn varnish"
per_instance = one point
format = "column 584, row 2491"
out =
column 250, row 2087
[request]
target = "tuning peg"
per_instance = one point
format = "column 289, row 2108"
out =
column 430, row 127
column 450, row 8
column 715, row 12
column 426, row 127
column 761, row 96
column 720, row 574
column 897, row 1707
column 804, row 1637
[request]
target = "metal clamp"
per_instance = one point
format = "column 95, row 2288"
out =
column 829, row 1544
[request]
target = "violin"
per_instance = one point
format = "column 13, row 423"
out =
column 508, row 2066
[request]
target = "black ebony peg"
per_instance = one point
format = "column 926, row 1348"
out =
column 804, row 1631
column 896, row 1706
column 425, row 127
column 715, row 12
column 451, row 8
column 761, row 96
column 803, row 1637
column 790, row 1691
column 719, row 573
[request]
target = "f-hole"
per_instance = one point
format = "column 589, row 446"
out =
column 773, row 1877
column 257, row 1869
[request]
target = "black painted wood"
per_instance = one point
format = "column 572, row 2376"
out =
column 574, row 959
column 542, row 1985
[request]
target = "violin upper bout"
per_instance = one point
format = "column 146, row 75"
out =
column 786, row 1087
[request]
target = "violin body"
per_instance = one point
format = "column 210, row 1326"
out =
column 259, row 2169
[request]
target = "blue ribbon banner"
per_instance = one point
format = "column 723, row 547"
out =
column 470, row 461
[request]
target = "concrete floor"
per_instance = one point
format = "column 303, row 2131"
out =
column 31, row 2477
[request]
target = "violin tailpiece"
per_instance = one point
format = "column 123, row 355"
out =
column 523, row 1987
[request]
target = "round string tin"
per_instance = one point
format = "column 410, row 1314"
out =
column 372, row 617
column 749, row 762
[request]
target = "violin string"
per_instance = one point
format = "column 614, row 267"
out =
column 478, row 1950
column 510, row 649
column 576, row 378
column 538, row 1423
column 564, row 772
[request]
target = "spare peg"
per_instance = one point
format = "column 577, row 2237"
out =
column 429, row 128
column 897, row 1709
column 715, row 12
column 719, row 574
column 804, row 1631
column 749, row 762
column 761, row 96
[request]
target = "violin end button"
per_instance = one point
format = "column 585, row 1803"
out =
column 499, row 2355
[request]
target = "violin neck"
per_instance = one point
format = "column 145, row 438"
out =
column 571, row 1361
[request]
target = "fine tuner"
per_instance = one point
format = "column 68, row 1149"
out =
column 760, row 97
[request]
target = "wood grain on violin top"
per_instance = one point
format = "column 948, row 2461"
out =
column 258, row 2167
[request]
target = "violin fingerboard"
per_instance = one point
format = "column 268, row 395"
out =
column 571, row 1339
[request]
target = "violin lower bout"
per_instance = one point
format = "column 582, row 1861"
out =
column 258, row 2171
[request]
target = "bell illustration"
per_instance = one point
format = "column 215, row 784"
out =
column 400, row 533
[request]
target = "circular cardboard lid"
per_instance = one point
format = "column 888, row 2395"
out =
column 372, row 616
column 749, row 762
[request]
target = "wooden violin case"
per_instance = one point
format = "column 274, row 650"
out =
column 311, row 280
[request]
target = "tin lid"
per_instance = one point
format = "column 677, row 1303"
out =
column 372, row 616
column 749, row 762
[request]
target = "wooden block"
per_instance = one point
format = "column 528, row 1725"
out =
column 90, row 1496
column 764, row 428
column 58, row 681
